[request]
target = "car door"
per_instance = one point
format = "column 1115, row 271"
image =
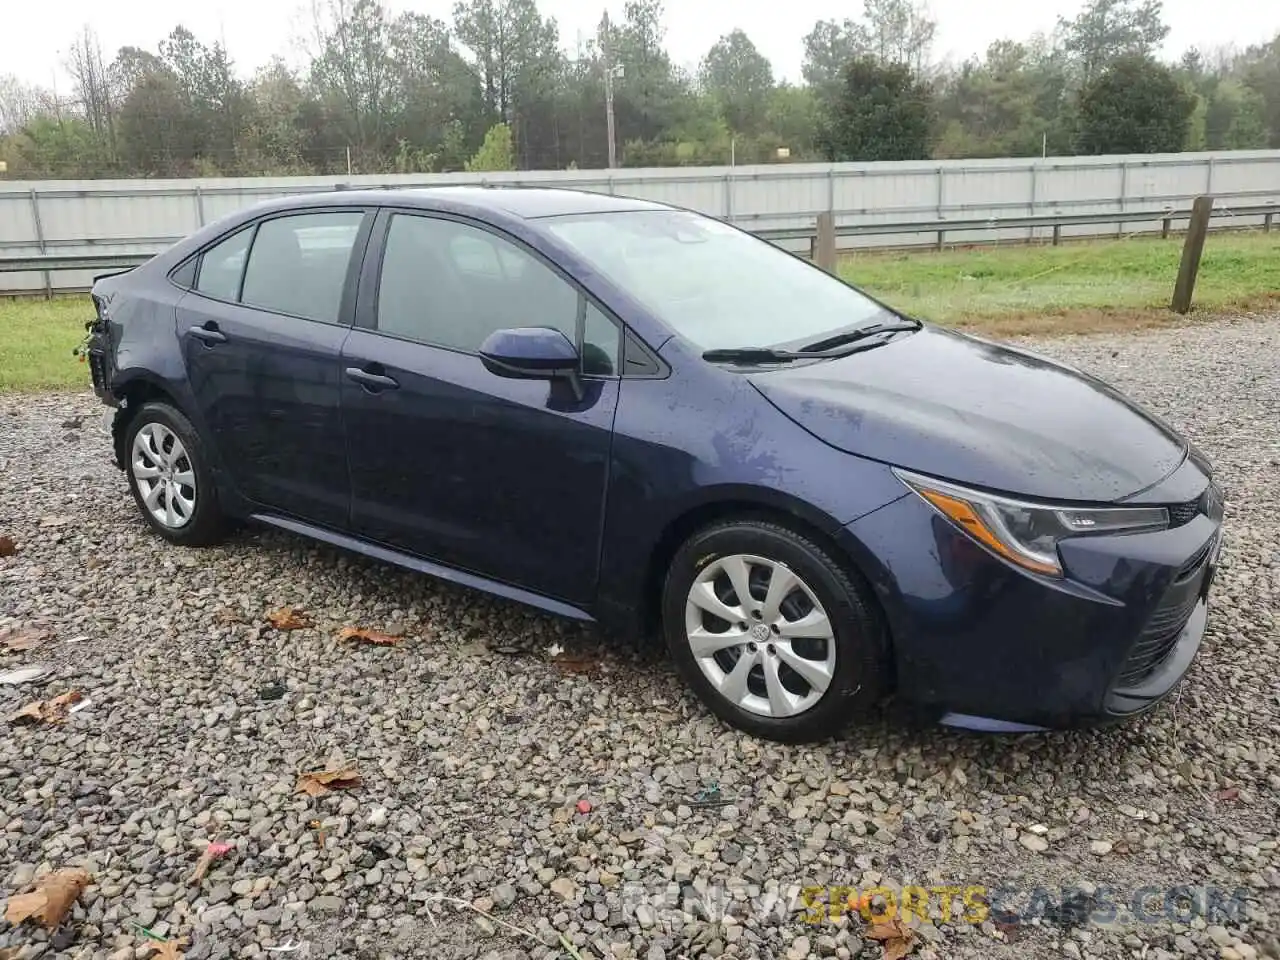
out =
column 262, row 330
column 504, row 478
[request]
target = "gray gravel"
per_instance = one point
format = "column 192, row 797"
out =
column 475, row 750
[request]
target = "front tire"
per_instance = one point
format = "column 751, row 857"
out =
column 772, row 634
column 170, row 478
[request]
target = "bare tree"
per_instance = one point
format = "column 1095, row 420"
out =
column 900, row 31
column 354, row 66
column 19, row 103
column 93, row 87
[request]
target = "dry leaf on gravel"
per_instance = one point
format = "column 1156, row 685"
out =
column 167, row 949
column 577, row 664
column 894, row 936
column 372, row 637
column 1012, row 930
column 7, row 547
column 289, row 618
column 228, row 615
column 319, row 782
column 51, row 900
column 48, row 711
column 22, row 639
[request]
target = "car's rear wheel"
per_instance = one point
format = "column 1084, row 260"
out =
column 169, row 476
column 771, row 633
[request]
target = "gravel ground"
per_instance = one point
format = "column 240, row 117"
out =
column 474, row 750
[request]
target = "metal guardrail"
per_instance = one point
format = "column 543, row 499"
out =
column 52, row 262
column 1054, row 222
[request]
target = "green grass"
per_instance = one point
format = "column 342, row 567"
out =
column 1075, row 287
column 36, row 340
column 1004, row 291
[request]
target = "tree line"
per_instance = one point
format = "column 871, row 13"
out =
column 495, row 89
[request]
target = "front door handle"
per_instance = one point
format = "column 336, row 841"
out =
column 209, row 333
column 373, row 381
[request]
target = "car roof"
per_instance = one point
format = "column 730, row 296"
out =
column 528, row 203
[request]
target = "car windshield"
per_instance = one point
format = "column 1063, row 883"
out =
column 714, row 285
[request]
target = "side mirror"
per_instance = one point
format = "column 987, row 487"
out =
column 532, row 353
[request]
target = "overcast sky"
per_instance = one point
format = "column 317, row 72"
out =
column 34, row 36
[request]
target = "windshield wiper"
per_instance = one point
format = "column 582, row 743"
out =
column 754, row 355
column 840, row 345
column 860, row 333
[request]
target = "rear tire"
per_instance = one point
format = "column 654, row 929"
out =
column 169, row 476
column 815, row 649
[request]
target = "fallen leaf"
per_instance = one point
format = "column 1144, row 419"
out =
column 1012, row 931
column 167, row 949
column 228, row 616
column 288, row 618
column 48, row 711
column 21, row 639
column 31, row 713
column 7, row 547
column 576, row 664
column 896, row 938
column 211, row 853
column 1229, row 793
column 372, row 637
column 319, row 782
column 51, row 900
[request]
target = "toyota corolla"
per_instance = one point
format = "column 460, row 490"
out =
column 632, row 414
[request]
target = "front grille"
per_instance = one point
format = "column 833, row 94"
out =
column 1160, row 635
column 1180, row 513
column 1209, row 503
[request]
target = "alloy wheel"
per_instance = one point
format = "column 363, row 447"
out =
column 164, row 474
column 760, row 635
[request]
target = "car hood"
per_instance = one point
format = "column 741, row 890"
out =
column 965, row 409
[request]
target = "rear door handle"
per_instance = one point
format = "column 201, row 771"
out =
column 209, row 333
column 374, row 381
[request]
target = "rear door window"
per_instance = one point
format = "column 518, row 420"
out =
column 298, row 264
column 222, row 266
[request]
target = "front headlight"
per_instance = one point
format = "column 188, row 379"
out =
column 1027, row 533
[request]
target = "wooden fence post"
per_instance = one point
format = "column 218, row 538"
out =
column 1201, row 211
column 826, row 242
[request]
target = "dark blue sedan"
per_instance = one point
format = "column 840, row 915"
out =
column 627, row 413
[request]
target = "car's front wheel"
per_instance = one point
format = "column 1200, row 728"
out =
column 170, row 477
column 774, row 636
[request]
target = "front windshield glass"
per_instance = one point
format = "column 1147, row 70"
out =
column 714, row 285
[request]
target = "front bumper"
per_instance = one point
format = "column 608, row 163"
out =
column 988, row 646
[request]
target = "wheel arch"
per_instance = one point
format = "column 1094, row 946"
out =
column 797, row 517
column 134, row 390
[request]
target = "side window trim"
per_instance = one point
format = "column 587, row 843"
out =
column 244, row 267
column 355, row 261
column 366, row 316
column 200, row 255
column 192, row 262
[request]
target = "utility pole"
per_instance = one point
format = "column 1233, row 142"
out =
column 608, row 90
